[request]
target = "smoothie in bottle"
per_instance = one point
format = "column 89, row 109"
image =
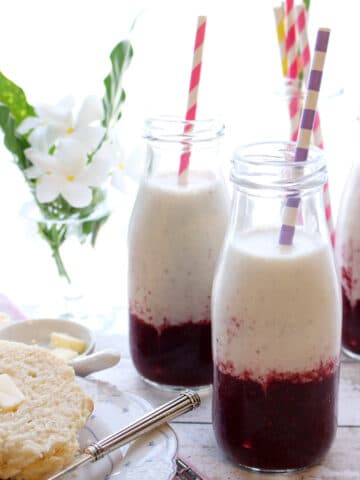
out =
column 175, row 235
column 276, row 318
column 348, row 262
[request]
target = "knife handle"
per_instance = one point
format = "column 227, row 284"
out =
column 186, row 472
column 184, row 403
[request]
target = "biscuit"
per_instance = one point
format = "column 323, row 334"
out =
column 41, row 436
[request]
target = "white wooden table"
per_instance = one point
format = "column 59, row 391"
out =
column 197, row 442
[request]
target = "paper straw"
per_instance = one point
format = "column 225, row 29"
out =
column 293, row 66
column 307, row 121
column 280, row 31
column 193, row 91
column 293, row 101
column 291, row 44
column 301, row 23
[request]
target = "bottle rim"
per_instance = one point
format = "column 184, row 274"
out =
column 176, row 129
column 270, row 166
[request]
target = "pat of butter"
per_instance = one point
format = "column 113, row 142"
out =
column 65, row 353
column 61, row 340
column 10, row 395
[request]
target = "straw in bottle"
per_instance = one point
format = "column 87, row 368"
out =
column 193, row 92
column 307, row 121
column 281, row 35
column 291, row 43
column 301, row 23
column 292, row 65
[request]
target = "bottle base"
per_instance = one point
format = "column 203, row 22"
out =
column 274, row 471
column 349, row 353
column 176, row 388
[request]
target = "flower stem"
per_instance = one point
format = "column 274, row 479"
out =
column 54, row 227
column 60, row 264
column 55, row 235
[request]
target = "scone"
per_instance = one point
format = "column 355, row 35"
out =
column 41, row 436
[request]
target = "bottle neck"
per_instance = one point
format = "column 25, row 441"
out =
column 256, row 212
column 164, row 159
column 171, row 140
column 273, row 187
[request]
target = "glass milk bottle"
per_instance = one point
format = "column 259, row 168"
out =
column 175, row 235
column 348, row 261
column 276, row 316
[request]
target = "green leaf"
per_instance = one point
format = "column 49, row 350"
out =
column 14, row 142
column 114, row 93
column 307, row 4
column 14, row 97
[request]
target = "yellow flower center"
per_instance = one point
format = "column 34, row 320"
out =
column 70, row 178
column 70, row 130
column 121, row 166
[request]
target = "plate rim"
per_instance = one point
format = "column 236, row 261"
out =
column 147, row 406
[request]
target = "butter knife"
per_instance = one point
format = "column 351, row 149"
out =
column 184, row 403
column 185, row 471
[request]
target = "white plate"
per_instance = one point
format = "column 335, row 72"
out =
column 151, row 457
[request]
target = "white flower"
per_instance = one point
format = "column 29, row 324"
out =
column 57, row 122
column 123, row 170
column 68, row 173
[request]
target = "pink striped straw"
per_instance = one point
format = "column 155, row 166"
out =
column 291, row 44
column 307, row 122
column 293, row 66
column 301, row 23
column 193, row 92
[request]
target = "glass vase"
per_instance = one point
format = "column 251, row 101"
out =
column 68, row 281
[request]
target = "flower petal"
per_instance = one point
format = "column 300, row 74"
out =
column 96, row 173
column 55, row 112
column 33, row 172
column 76, row 193
column 99, row 169
column 47, row 188
column 71, row 156
column 28, row 124
column 42, row 138
column 41, row 160
column 90, row 111
column 58, row 116
column 90, row 137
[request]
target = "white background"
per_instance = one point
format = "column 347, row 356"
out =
column 53, row 49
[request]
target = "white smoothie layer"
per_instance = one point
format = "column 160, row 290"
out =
column 275, row 308
column 175, row 236
column 348, row 237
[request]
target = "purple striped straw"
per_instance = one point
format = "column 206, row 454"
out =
column 306, row 125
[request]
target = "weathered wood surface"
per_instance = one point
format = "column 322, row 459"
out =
column 197, row 442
